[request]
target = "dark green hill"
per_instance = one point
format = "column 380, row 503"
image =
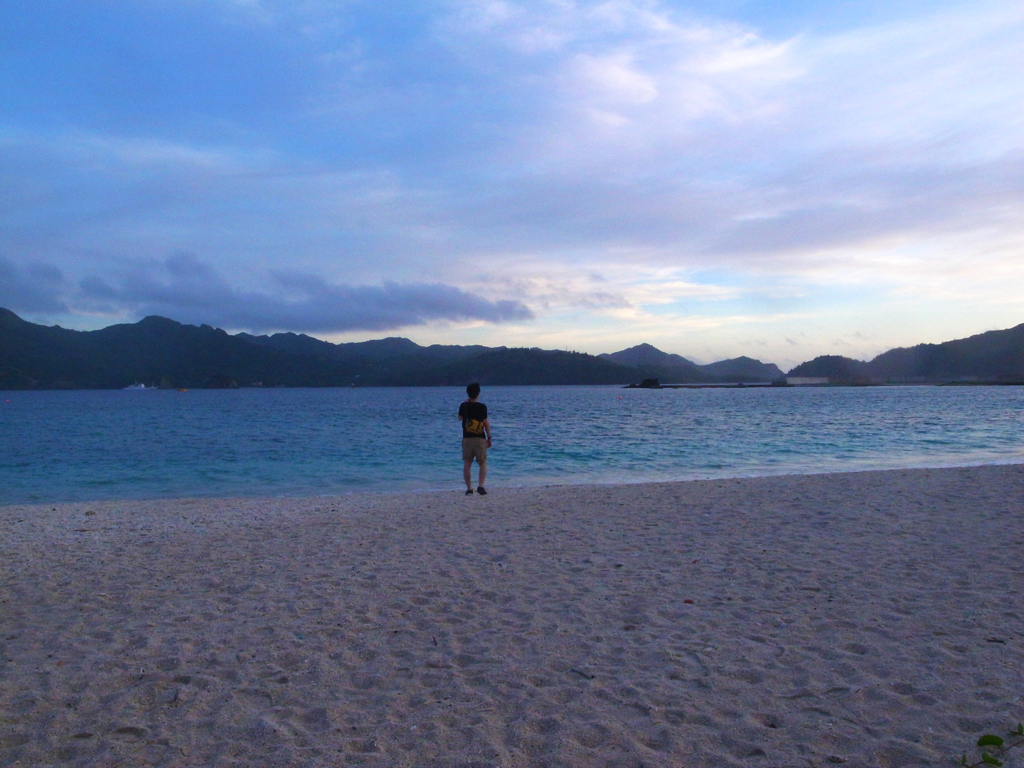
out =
column 154, row 351
column 531, row 366
column 834, row 367
column 744, row 369
column 647, row 354
column 161, row 352
column 391, row 348
column 992, row 356
column 649, row 362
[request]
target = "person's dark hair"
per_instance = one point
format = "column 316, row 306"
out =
column 473, row 390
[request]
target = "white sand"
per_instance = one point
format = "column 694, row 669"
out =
column 867, row 619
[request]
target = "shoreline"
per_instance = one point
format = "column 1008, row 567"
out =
column 456, row 484
column 864, row 618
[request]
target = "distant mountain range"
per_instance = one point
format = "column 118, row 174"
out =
column 651, row 363
column 159, row 352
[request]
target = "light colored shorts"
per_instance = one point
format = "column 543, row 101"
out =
column 474, row 448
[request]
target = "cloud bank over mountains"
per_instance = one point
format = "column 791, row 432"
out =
column 626, row 169
column 182, row 286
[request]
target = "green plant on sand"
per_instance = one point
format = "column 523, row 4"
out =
column 998, row 746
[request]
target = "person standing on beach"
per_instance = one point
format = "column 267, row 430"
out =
column 476, row 438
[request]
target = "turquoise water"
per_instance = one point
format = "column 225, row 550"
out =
column 71, row 446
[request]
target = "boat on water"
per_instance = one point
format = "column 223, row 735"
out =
column 137, row 386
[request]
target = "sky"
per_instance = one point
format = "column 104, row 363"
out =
column 733, row 177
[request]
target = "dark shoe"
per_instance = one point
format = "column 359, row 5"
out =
column 481, row 490
column 469, row 492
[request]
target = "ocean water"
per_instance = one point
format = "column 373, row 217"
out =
column 78, row 446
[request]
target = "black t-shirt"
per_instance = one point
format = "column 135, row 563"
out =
column 473, row 416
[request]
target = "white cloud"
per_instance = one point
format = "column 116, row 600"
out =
column 615, row 78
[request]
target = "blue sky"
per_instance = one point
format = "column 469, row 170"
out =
column 778, row 180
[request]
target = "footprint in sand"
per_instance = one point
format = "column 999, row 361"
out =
column 13, row 740
column 592, row 735
column 129, row 733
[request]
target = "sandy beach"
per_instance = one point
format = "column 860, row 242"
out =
column 863, row 619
